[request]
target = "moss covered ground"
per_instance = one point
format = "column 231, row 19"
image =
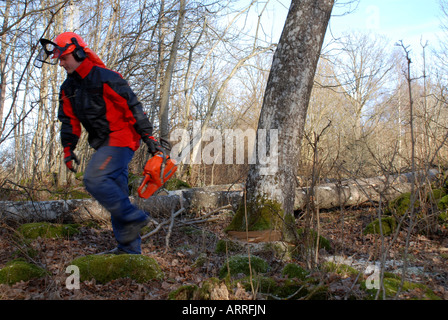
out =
column 197, row 262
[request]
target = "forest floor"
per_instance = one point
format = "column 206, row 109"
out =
column 427, row 260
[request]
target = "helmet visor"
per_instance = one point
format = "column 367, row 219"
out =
column 49, row 50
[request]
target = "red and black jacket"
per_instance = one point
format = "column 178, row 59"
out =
column 102, row 101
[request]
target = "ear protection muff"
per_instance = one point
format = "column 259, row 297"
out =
column 79, row 54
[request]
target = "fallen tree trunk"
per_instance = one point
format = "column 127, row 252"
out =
column 326, row 196
column 88, row 209
column 354, row 192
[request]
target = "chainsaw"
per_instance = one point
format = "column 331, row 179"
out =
column 159, row 169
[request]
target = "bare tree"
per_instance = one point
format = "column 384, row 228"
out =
column 270, row 197
column 165, row 90
column 361, row 70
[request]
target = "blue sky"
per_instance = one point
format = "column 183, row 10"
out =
column 407, row 20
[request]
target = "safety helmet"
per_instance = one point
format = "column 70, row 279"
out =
column 66, row 43
column 63, row 44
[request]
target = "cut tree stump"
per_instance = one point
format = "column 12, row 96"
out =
column 256, row 236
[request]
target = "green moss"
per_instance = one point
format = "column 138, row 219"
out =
column 206, row 288
column 295, row 289
column 324, row 243
column 194, row 231
column 240, row 264
column 388, row 226
column 200, row 260
column 262, row 214
column 225, row 245
column 185, row 292
column 104, row 268
column 443, row 217
column 176, row 184
column 291, row 289
column 48, row 230
column 259, row 283
column 392, row 283
column 77, row 194
column 194, row 292
column 292, row 270
column 25, row 251
column 92, row 224
column 79, row 175
column 67, row 193
column 401, row 204
column 285, row 289
column 435, row 195
column 19, row 270
column 340, row 269
column 442, row 204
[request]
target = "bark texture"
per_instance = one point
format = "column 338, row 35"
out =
column 284, row 109
column 327, row 196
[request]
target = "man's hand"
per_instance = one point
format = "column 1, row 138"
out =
column 165, row 144
column 153, row 145
column 69, row 157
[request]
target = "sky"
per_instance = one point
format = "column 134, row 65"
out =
column 411, row 21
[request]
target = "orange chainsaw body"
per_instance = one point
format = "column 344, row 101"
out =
column 153, row 176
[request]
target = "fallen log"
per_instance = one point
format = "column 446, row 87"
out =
column 88, row 209
column 326, row 196
column 354, row 192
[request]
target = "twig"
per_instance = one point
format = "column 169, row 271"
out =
column 160, row 225
column 280, row 298
column 353, row 285
column 214, row 211
column 170, row 229
column 315, row 289
column 199, row 221
column 205, row 218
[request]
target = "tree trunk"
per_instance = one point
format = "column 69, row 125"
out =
column 3, row 58
column 351, row 192
column 271, row 192
column 165, row 91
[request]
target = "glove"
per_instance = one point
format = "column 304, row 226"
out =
column 153, row 145
column 70, row 156
column 165, row 144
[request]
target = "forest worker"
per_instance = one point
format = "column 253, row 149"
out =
column 102, row 101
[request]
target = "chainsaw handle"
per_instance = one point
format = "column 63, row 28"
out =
column 143, row 188
column 159, row 148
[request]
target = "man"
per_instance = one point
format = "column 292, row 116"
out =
column 102, row 101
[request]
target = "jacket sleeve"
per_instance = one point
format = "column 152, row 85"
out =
column 70, row 124
column 121, row 93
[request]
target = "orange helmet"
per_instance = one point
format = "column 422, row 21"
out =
column 66, row 43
